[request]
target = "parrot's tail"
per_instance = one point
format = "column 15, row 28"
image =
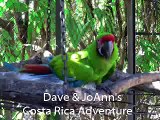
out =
column 10, row 67
column 29, row 68
column 32, row 68
column 36, row 69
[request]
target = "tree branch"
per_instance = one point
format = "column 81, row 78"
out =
column 134, row 80
column 31, row 92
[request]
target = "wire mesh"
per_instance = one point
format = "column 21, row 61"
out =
column 147, row 52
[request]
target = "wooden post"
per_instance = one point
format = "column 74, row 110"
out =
column 58, row 40
column 58, row 27
column 131, row 51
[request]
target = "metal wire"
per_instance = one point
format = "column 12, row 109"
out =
column 63, row 41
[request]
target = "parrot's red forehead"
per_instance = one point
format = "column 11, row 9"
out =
column 109, row 37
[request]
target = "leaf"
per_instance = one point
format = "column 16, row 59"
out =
column 1, row 11
column 6, row 35
column 12, row 58
column 98, row 13
column 10, row 3
column 84, row 29
column 17, row 6
column 73, row 29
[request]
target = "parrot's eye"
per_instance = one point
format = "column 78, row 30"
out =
column 98, row 41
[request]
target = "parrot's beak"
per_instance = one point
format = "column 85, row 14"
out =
column 107, row 49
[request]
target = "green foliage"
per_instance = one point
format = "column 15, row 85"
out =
column 1, row 10
column 16, row 6
column 8, row 53
column 83, row 21
column 37, row 21
column 149, row 60
column 5, row 35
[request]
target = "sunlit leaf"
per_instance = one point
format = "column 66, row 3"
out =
column 17, row 6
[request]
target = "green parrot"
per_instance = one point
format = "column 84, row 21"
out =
column 93, row 64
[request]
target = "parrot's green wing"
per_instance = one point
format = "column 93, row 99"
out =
column 78, row 67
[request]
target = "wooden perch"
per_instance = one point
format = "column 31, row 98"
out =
column 32, row 92
column 132, row 81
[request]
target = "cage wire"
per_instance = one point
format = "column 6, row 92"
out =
column 147, row 37
column 16, row 45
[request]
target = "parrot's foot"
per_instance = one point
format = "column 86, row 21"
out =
column 75, row 83
column 105, row 87
column 72, row 82
column 107, row 90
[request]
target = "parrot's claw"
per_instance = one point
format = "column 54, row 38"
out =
column 105, row 86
